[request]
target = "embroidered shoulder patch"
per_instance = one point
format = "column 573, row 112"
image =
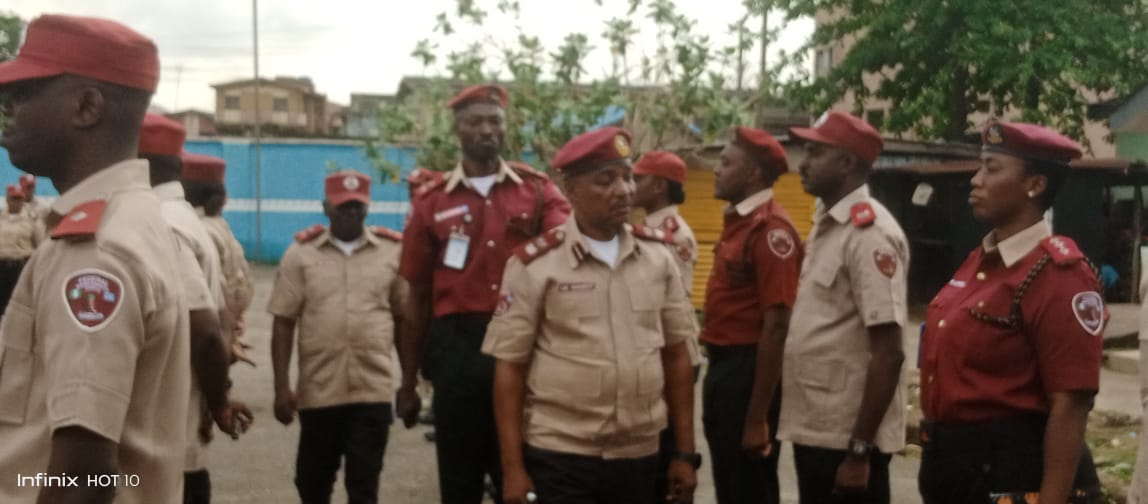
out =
column 886, row 261
column 780, row 243
column 93, row 298
column 538, row 247
column 310, row 233
column 670, row 224
column 1089, row 310
column 505, row 299
column 863, row 215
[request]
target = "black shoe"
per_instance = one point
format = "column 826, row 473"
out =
column 427, row 417
column 429, row 436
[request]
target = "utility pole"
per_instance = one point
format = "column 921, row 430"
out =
column 258, row 138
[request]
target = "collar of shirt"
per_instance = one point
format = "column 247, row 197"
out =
column 657, row 218
column 126, row 175
column 169, row 191
column 842, row 212
column 1015, row 247
column 367, row 238
column 748, row 205
column 458, row 176
column 579, row 251
column 200, row 211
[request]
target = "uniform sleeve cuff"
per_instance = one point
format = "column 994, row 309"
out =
column 91, row 407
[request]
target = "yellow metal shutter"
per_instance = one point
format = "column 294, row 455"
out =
column 703, row 212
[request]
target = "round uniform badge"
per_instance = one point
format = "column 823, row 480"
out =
column 93, row 298
column 622, row 145
column 886, row 261
column 504, row 301
column 351, row 182
column 1089, row 310
column 994, row 136
column 780, row 243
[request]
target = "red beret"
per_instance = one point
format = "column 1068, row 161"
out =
column 88, row 47
column 845, row 131
column 763, row 146
column 663, row 164
column 201, row 168
column 599, row 146
column 1029, row 141
column 479, row 93
column 15, row 190
column 27, row 180
column 161, row 136
column 347, row 185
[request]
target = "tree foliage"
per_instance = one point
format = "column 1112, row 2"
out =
column 939, row 61
column 11, row 26
column 683, row 91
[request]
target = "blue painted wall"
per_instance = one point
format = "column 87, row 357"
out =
column 292, row 183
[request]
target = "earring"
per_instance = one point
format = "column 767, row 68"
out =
column 1031, row 195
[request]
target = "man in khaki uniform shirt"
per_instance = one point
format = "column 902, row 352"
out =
column 95, row 352
column 161, row 142
column 20, row 234
column 843, row 398
column 591, row 338
column 342, row 288
column 659, row 178
column 34, row 206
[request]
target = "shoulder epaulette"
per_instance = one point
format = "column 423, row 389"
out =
column 862, row 215
column 539, row 246
column 310, row 233
column 670, row 225
column 525, row 169
column 82, row 222
column 652, row 234
column 1062, row 249
column 436, row 181
column 387, row 233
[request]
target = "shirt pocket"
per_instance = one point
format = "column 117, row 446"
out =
column 646, row 302
column 575, row 319
column 16, row 364
column 991, row 345
column 822, row 386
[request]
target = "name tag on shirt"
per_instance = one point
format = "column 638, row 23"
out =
column 456, row 248
column 453, row 212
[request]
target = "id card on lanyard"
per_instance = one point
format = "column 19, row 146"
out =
column 456, row 248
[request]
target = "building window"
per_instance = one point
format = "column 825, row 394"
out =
column 823, row 62
column 875, row 117
column 278, row 104
column 231, row 103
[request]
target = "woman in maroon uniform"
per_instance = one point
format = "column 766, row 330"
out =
column 1010, row 355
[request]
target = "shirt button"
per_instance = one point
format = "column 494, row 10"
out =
column 487, row 202
column 981, row 276
column 980, row 304
column 490, row 244
column 941, row 324
column 493, row 287
column 931, row 377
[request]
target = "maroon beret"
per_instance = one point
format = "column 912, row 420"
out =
column 161, row 136
column 846, row 131
column 15, row 191
column 598, row 146
column 663, row 164
column 1029, row 141
column 763, row 146
column 347, row 185
column 88, row 47
column 479, row 93
column 27, row 180
column 202, row 168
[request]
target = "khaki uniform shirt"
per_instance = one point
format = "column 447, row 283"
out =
column 345, row 308
column 202, row 288
column 238, row 286
column 1138, row 490
column 19, row 235
column 685, row 246
column 853, row 278
column 96, row 337
column 592, row 338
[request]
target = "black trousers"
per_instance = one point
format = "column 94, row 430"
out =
column 565, row 478
column 817, row 475
column 466, row 439
column 969, row 462
column 197, row 487
column 9, row 274
column 738, row 478
column 356, row 432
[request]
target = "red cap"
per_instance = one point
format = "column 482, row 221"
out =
column 161, row 136
column 348, row 185
column 845, row 131
column 599, row 146
column 1029, row 141
column 763, row 146
column 663, row 164
column 202, row 168
column 479, row 93
column 15, row 190
column 88, row 47
column 27, row 180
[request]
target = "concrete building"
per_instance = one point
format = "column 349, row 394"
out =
column 288, row 106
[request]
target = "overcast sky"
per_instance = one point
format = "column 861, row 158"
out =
column 346, row 46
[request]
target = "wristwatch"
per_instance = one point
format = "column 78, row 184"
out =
column 694, row 458
column 859, row 448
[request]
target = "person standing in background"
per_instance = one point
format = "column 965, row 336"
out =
column 20, row 234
